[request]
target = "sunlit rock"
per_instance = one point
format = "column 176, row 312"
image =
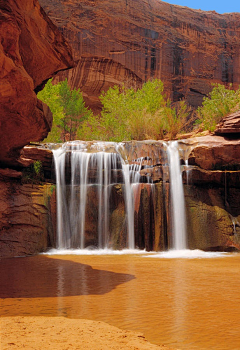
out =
column 135, row 40
column 31, row 51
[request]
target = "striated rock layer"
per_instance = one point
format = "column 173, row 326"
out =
column 229, row 125
column 188, row 49
column 94, row 75
column 31, row 50
column 27, row 215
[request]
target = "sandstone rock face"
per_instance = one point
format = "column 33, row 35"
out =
column 150, row 217
column 94, row 75
column 27, row 217
column 213, row 217
column 30, row 154
column 197, row 176
column 31, row 51
column 214, row 152
column 211, row 196
column 188, row 49
column 229, row 125
column 151, row 221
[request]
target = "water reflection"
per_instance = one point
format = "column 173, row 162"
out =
column 182, row 303
column 40, row 277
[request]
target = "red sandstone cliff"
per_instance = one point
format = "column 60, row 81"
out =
column 188, row 49
column 31, row 50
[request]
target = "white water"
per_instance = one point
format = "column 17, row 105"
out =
column 62, row 223
column 170, row 254
column 105, row 160
column 177, row 198
column 79, row 168
column 189, row 254
column 104, row 251
column 71, row 208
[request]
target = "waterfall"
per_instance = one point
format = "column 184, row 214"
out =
column 177, row 197
column 80, row 166
column 62, row 222
column 97, row 183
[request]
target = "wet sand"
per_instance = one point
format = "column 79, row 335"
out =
column 60, row 333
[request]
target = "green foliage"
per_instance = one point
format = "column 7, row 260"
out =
column 50, row 96
column 37, row 166
column 221, row 102
column 33, row 174
column 128, row 114
column 68, row 110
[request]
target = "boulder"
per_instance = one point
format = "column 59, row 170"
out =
column 214, row 152
column 31, row 51
column 229, row 125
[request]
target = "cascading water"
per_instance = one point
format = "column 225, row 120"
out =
column 91, row 165
column 88, row 176
column 177, row 197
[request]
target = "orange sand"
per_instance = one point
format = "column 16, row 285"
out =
column 59, row 333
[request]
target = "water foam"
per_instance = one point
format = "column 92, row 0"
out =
column 87, row 251
column 189, row 254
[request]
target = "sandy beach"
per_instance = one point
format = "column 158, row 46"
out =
column 60, row 333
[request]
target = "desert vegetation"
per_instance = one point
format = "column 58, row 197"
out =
column 68, row 109
column 220, row 102
column 129, row 114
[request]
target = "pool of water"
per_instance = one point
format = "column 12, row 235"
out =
column 183, row 303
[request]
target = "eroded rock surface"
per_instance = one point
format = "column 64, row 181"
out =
column 32, row 50
column 27, row 216
column 214, row 152
column 188, row 49
column 94, row 75
column 213, row 217
column 229, row 125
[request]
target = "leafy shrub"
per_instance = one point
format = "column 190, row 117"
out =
column 37, row 166
column 68, row 108
column 221, row 102
column 33, row 174
column 128, row 114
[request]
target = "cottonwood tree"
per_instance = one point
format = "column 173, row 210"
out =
column 135, row 114
column 68, row 110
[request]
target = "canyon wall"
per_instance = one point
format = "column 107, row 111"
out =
column 27, row 215
column 135, row 40
column 31, row 51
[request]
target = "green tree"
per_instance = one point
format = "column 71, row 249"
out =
column 68, row 110
column 220, row 102
column 128, row 114
column 50, row 96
